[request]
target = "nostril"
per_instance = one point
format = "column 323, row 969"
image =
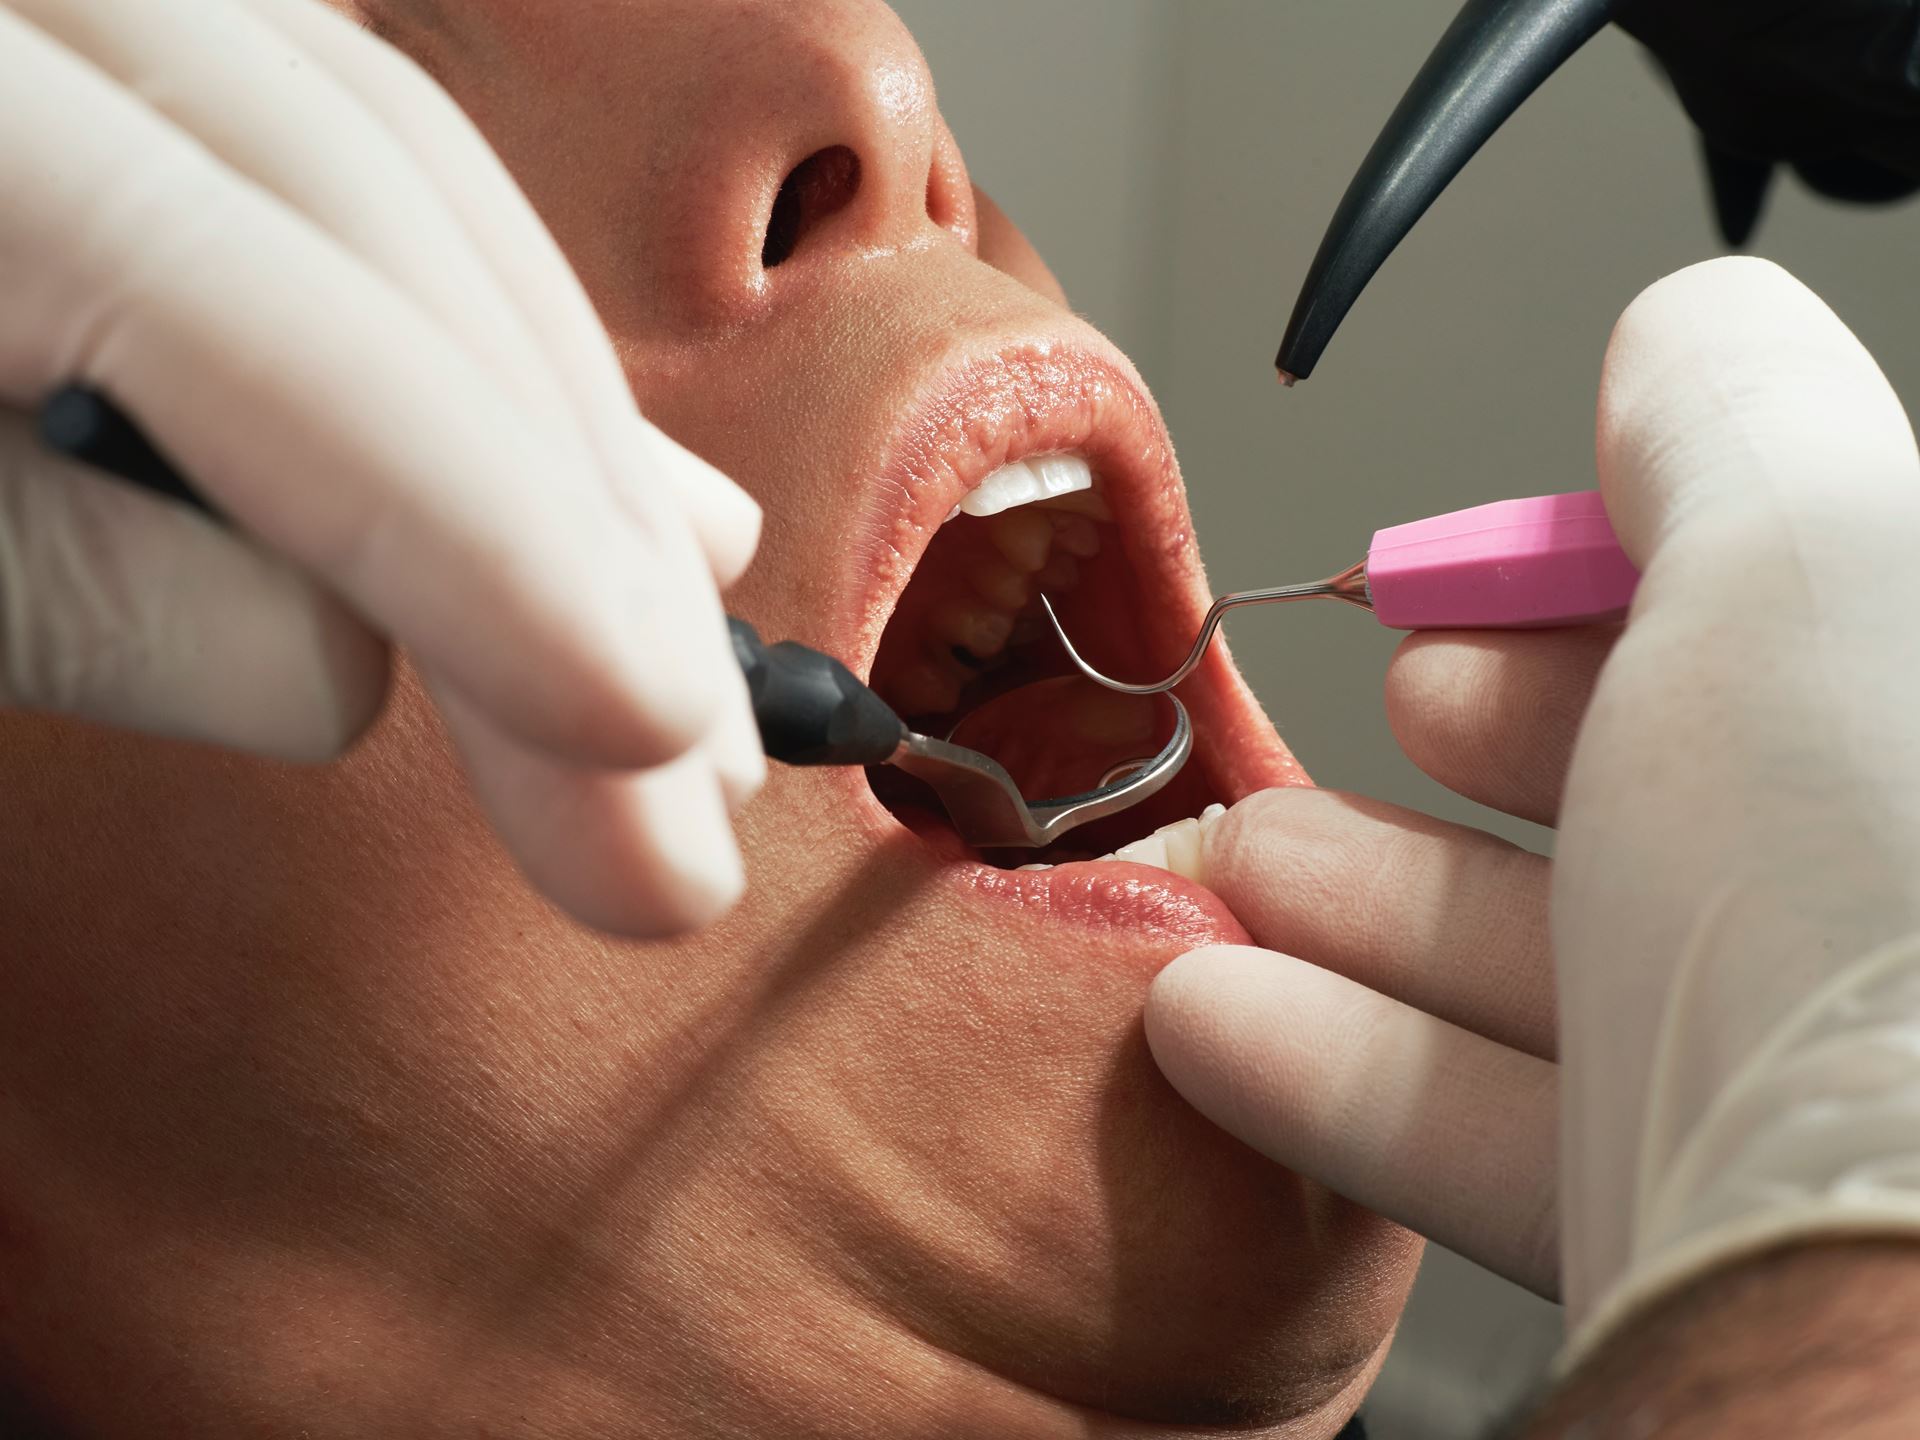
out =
column 820, row 186
column 949, row 192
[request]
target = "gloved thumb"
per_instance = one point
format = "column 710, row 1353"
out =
column 1732, row 396
column 1430, row 1125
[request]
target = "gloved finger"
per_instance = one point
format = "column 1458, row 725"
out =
column 265, row 110
column 724, row 518
column 1446, row 919
column 476, row 187
column 300, row 133
column 132, row 610
column 1492, row 715
column 1736, row 409
column 1444, row 1131
column 375, row 452
column 644, row 854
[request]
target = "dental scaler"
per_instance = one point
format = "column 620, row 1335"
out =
column 1545, row 561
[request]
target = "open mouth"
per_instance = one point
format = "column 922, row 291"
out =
column 968, row 649
column 1055, row 480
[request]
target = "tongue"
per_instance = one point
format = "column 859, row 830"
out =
column 1065, row 736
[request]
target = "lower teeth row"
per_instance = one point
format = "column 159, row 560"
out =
column 1179, row 847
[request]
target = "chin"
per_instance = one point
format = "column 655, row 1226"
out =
column 1011, row 1178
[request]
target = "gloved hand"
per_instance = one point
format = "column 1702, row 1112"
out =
column 1735, row 907
column 1830, row 87
column 283, row 250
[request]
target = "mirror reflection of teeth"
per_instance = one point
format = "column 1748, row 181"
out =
column 1179, row 847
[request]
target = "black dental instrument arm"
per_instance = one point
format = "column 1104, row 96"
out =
column 1494, row 55
column 810, row 708
column 1829, row 87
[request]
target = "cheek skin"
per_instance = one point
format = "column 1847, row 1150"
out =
column 1003, row 246
column 970, row 1096
column 330, row 1022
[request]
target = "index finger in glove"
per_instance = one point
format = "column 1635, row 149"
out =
column 1492, row 714
column 1448, row 919
column 373, row 447
column 1736, row 409
column 535, row 276
column 1447, row 1132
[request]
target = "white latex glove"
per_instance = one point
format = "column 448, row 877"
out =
column 1736, row 902
column 284, row 251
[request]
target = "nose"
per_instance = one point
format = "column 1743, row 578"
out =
column 816, row 145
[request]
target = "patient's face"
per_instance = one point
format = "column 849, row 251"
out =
column 314, row 1120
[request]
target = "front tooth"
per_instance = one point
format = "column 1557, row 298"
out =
column 1046, row 477
column 1062, row 474
column 1005, row 488
column 1185, row 846
column 1179, row 848
column 1152, row 850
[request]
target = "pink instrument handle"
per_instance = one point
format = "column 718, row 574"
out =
column 1515, row 564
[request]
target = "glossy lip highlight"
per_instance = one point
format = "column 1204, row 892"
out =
column 1035, row 399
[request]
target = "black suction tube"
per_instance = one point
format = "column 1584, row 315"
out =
column 1494, row 55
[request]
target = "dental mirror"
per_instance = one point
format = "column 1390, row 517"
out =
column 1093, row 752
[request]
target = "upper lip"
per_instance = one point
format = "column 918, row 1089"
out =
column 988, row 409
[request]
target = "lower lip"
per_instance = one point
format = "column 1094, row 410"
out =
column 1105, row 895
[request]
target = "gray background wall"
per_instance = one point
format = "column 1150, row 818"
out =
column 1176, row 163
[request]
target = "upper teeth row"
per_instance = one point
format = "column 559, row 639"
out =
column 1042, row 477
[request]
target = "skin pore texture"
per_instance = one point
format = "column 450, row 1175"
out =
column 315, row 1120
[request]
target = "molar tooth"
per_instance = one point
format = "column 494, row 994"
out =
column 999, row 584
column 980, row 631
column 1062, row 572
column 1075, row 534
column 1023, row 538
column 1027, row 629
column 1090, row 503
column 923, row 689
